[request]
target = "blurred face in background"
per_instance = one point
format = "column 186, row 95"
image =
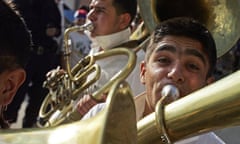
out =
column 105, row 19
column 80, row 17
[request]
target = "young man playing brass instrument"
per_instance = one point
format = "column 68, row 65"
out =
column 111, row 20
column 181, row 53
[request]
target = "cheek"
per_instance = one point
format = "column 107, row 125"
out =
column 154, row 78
column 110, row 26
column 156, row 73
column 196, row 83
column 104, row 28
column 1, row 93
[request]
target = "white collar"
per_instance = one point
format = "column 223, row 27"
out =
column 112, row 40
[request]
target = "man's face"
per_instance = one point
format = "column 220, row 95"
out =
column 4, row 86
column 175, row 60
column 104, row 18
column 2, row 75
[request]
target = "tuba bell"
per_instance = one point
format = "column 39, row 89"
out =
column 221, row 17
column 101, row 129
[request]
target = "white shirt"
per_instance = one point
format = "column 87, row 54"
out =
column 81, row 45
column 113, row 64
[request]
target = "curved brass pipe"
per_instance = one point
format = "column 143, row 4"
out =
column 67, row 52
column 211, row 108
column 65, row 88
column 65, row 112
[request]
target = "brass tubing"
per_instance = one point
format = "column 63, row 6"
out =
column 213, row 107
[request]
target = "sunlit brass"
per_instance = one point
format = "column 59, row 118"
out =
column 206, row 110
column 64, row 111
column 220, row 16
column 62, row 85
column 116, row 124
column 213, row 107
column 66, row 87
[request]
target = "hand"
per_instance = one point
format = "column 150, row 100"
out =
column 87, row 102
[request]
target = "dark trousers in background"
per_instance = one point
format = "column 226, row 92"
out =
column 36, row 69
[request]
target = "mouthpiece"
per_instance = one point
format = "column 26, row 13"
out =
column 88, row 26
column 170, row 93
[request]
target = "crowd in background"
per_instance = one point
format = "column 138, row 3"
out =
column 229, row 62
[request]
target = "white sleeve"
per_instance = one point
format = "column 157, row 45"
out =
column 208, row 138
column 93, row 111
column 134, row 78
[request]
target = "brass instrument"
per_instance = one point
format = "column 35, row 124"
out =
column 58, row 108
column 101, row 129
column 221, row 17
column 204, row 110
column 153, row 12
column 213, row 107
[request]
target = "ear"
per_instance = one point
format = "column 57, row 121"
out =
column 125, row 20
column 143, row 72
column 210, row 80
column 13, row 80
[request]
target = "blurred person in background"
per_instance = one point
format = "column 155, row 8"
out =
column 15, row 44
column 44, row 21
column 80, row 42
column 112, row 20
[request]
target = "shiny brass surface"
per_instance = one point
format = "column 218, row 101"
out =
column 220, row 16
column 66, row 87
column 64, row 111
column 210, row 108
column 116, row 124
column 67, row 52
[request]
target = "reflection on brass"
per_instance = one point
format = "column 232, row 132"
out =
column 221, row 17
column 63, row 110
column 66, row 87
column 116, row 124
column 206, row 110
column 213, row 107
column 210, row 108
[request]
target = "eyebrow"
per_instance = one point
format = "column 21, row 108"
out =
column 97, row 7
column 195, row 53
column 187, row 51
column 166, row 48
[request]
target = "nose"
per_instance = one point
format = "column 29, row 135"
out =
column 176, row 73
column 91, row 15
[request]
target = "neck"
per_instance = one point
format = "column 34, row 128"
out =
column 148, row 109
column 112, row 40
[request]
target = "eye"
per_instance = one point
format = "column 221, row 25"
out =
column 99, row 9
column 193, row 67
column 164, row 60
